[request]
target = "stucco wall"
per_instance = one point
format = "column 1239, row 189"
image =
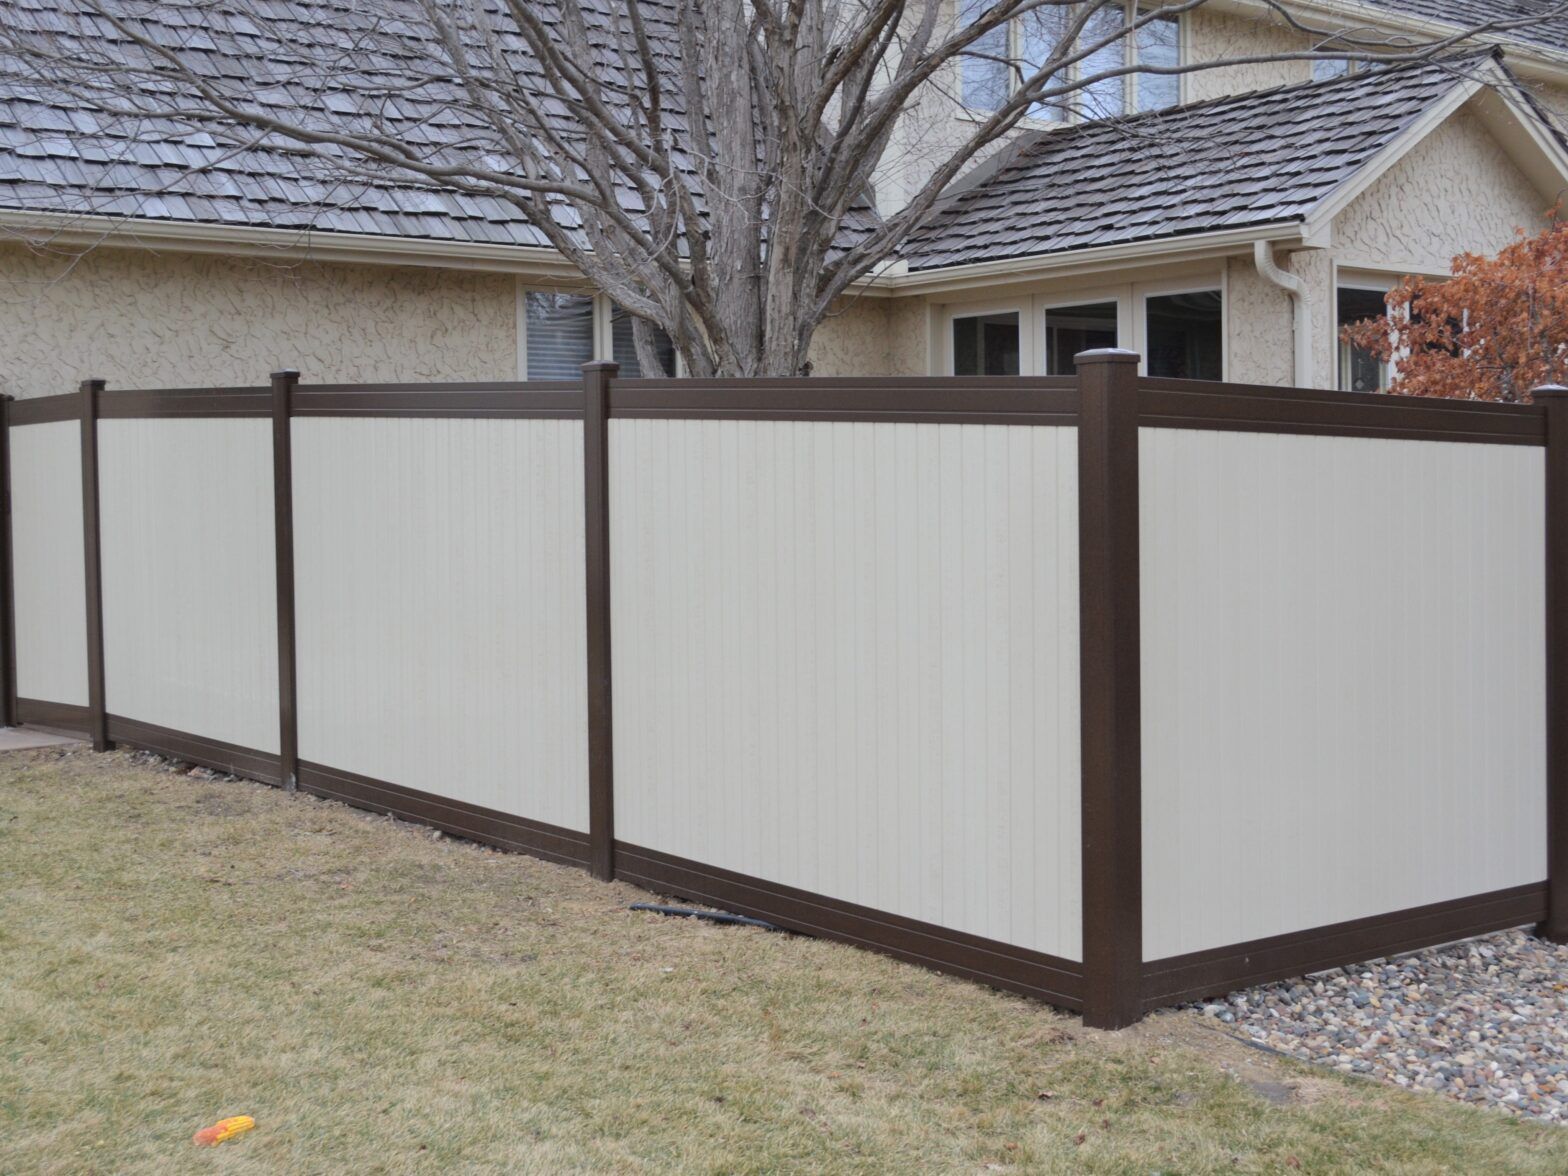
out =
column 852, row 341
column 148, row 320
column 1455, row 191
column 1220, row 36
column 1262, row 327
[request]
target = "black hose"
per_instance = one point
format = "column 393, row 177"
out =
column 693, row 913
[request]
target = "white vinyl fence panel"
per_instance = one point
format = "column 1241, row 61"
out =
column 50, row 583
column 846, row 660
column 439, row 592
column 189, row 582
column 1343, row 677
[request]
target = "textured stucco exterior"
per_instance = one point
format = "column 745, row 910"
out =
column 1456, row 190
column 853, row 340
column 1212, row 35
column 153, row 320
column 1262, row 327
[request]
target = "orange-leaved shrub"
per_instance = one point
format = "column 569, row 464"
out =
column 1494, row 330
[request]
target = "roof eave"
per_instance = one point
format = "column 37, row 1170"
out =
column 1098, row 259
column 86, row 231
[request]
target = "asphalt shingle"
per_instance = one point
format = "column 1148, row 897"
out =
column 1253, row 159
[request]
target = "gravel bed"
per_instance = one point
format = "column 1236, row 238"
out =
column 1484, row 1021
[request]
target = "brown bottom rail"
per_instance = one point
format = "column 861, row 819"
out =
column 195, row 749
column 472, row 821
column 1225, row 969
column 1045, row 977
column 65, row 716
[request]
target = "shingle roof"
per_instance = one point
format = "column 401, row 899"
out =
column 327, row 62
column 1464, row 14
column 1255, row 159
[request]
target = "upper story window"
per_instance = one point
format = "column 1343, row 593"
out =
column 1326, row 69
column 997, row 64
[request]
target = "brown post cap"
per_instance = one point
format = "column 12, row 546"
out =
column 1107, row 355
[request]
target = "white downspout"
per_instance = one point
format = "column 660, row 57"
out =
column 1263, row 258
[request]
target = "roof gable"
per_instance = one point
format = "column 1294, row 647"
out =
column 1253, row 159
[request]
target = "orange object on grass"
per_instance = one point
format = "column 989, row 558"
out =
column 223, row 1129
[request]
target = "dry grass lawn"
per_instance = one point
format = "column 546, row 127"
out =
column 173, row 950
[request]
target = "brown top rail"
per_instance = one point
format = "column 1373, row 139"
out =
column 44, row 410
column 1200, row 404
column 549, row 399
column 184, row 402
column 944, row 400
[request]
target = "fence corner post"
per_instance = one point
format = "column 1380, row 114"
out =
column 596, row 517
column 97, row 708
column 283, row 384
column 7, row 581
column 1108, row 593
column 1554, row 398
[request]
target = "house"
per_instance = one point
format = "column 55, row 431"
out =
column 1222, row 223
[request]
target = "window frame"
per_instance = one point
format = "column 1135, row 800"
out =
column 603, row 330
column 1143, row 291
column 1072, row 110
column 1366, row 283
column 1120, row 295
column 952, row 312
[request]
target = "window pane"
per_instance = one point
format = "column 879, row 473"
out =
column 1326, row 69
column 1106, row 98
column 1071, row 329
column 560, row 335
column 1359, row 371
column 1186, row 338
column 623, row 346
column 986, row 345
column 1159, row 45
column 1039, row 33
column 986, row 77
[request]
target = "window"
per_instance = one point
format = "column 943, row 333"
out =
column 1184, row 335
column 623, row 346
column 1327, row 69
column 560, row 334
column 986, row 344
column 996, row 64
column 1359, row 371
column 1071, row 329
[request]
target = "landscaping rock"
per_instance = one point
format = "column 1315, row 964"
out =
column 1485, row 1021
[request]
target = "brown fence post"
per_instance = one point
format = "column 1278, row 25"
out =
column 98, row 714
column 7, row 586
column 1111, row 799
column 1554, row 398
column 596, row 516
column 283, row 384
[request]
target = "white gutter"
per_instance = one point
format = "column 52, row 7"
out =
column 1092, row 260
column 86, row 231
column 1263, row 258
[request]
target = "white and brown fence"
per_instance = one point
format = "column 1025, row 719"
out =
column 1108, row 690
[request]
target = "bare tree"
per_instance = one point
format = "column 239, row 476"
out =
column 706, row 163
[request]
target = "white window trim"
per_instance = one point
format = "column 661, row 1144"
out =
column 1026, row 342
column 1373, row 281
column 603, row 331
column 1120, row 295
column 1073, row 111
column 1143, row 291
